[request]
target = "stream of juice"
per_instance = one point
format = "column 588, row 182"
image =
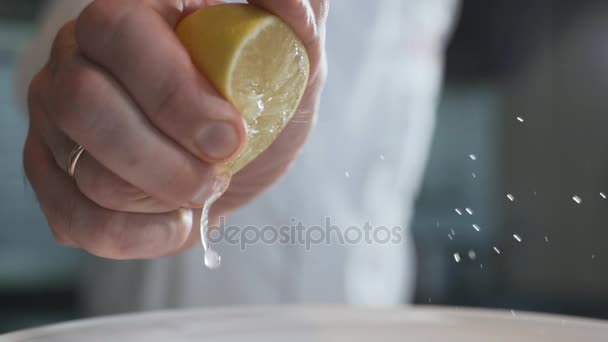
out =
column 212, row 259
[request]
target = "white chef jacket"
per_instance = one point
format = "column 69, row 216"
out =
column 363, row 163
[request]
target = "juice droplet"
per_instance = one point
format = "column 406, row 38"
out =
column 457, row 257
column 212, row 259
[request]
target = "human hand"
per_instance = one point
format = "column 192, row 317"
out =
column 120, row 84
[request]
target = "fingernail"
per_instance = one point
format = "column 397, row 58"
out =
column 218, row 140
column 214, row 190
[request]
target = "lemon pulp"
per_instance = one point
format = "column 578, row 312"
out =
column 255, row 61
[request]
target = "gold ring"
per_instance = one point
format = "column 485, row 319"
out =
column 73, row 159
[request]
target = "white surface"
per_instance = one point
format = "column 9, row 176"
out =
column 324, row 324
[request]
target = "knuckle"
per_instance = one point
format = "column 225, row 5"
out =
column 60, row 223
column 58, row 218
column 99, row 22
column 64, row 41
column 58, row 231
column 34, row 91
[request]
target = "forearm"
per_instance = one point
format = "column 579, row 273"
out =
column 37, row 52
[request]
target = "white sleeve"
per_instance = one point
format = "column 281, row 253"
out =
column 34, row 57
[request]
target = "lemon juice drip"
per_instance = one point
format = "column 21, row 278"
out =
column 212, row 259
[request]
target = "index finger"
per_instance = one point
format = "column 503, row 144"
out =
column 134, row 40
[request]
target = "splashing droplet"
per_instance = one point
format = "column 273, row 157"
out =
column 592, row 256
column 577, row 199
column 513, row 313
column 496, row 250
column 517, row 238
column 347, row 174
column 450, row 237
column 457, row 257
column 469, row 211
column 476, row 227
column 520, row 119
column 382, row 157
column 472, row 255
column 511, row 197
column 603, row 195
column 481, row 266
column 473, row 157
column 458, row 211
column 453, row 232
column 474, row 175
column 546, row 238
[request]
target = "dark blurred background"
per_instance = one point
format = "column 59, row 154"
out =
column 524, row 93
column 523, row 96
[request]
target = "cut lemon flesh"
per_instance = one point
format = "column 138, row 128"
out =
column 255, row 61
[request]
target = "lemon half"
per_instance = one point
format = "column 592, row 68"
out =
column 254, row 60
